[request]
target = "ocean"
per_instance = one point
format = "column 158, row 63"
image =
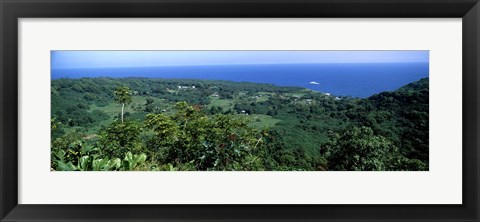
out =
column 353, row 79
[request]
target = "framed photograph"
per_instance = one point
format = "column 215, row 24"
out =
column 277, row 110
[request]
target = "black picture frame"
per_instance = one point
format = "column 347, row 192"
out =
column 11, row 11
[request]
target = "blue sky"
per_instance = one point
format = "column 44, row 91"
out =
column 108, row 59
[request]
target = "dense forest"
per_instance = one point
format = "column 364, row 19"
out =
column 181, row 124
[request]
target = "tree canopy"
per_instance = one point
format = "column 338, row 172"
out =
column 173, row 124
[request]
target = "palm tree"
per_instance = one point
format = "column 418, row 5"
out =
column 123, row 95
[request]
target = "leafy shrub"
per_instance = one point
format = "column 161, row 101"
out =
column 218, row 142
column 359, row 149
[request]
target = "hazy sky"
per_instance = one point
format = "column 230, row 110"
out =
column 96, row 59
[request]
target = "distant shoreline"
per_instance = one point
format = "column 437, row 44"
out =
column 357, row 80
column 228, row 81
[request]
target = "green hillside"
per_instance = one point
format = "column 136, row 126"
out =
column 181, row 124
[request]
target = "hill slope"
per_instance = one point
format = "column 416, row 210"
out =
column 304, row 126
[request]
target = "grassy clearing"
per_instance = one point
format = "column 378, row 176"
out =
column 226, row 104
column 298, row 95
column 262, row 96
column 261, row 99
column 261, row 121
column 113, row 109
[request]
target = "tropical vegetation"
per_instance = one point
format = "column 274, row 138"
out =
column 124, row 124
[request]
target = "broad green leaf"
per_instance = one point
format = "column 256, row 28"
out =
column 61, row 166
column 83, row 163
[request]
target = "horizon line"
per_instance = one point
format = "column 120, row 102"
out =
column 240, row 64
